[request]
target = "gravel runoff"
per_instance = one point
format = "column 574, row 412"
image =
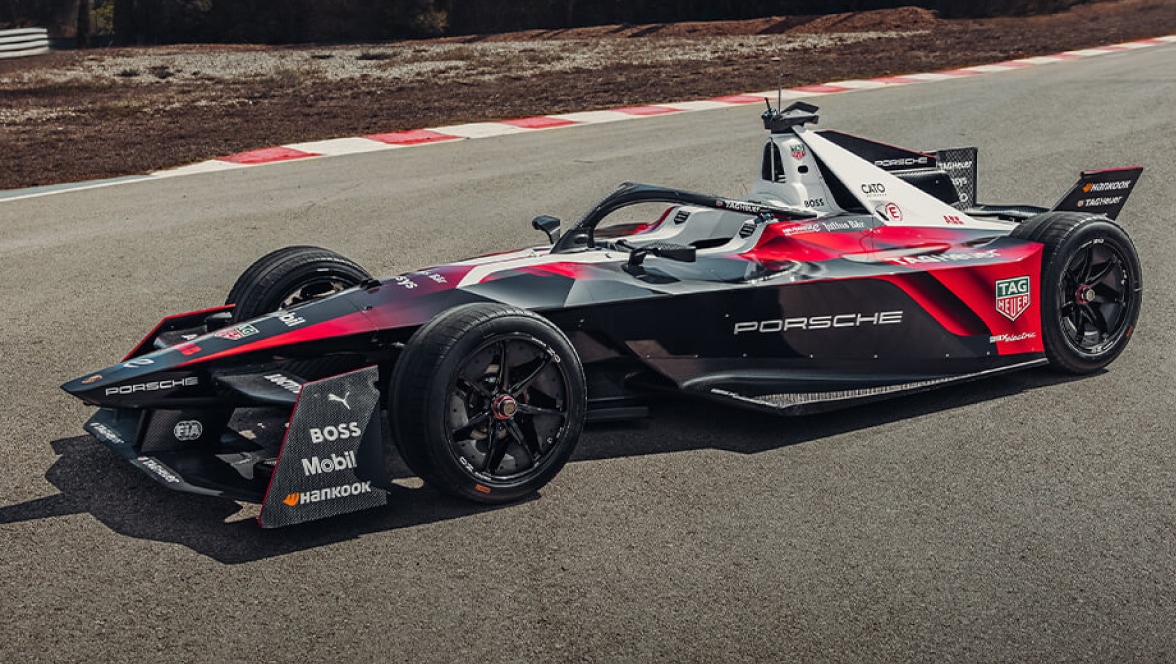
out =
column 410, row 60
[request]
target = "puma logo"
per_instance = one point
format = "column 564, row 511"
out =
column 341, row 399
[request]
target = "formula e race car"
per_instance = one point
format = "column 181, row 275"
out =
column 854, row 270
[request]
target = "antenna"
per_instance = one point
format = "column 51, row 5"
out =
column 780, row 120
column 779, row 81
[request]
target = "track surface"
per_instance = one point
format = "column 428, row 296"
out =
column 1030, row 517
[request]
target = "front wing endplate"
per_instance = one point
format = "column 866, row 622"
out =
column 331, row 461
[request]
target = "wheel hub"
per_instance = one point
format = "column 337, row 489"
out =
column 1085, row 294
column 504, row 407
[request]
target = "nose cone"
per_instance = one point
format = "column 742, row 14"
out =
column 181, row 370
column 135, row 382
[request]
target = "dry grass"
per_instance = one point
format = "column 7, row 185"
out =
column 103, row 113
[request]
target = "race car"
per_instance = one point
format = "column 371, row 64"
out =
column 854, row 270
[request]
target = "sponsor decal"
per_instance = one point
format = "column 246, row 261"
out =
column 160, row 469
column 290, row 319
column 1007, row 338
column 285, row 382
column 871, row 189
column 92, row 379
column 236, row 333
column 809, row 323
column 961, row 185
column 825, row 226
column 335, row 462
column 188, row 430
column 1095, row 187
column 1097, row 202
column 440, row 279
column 904, row 161
column 107, row 433
column 739, row 206
column 953, row 220
column 798, row 152
column 331, row 433
column 845, row 225
column 137, row 362
column 814, row 227
column 891, row 211
column 404, row 282
column 814, row 203
column 331, row 493
column 955, row 165
column 187, row 349
column 341, row 399
column 950, row 257
column 153, row 386
column 1013, row 296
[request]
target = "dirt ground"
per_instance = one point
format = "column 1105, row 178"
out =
column 86, row 114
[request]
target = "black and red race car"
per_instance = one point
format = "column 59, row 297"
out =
column 854, row 270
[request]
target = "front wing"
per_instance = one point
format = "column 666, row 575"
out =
column 326, row 459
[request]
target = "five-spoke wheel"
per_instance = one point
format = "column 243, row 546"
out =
column 1091, row 288
column 487, row 402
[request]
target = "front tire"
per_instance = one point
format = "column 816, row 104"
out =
column 487, row 402
column 1091, row 288
column 291, row 276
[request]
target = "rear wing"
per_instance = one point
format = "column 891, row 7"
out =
column 1101, row 192
column 949, row 175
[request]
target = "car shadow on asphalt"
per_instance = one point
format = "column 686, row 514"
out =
column 94, row 481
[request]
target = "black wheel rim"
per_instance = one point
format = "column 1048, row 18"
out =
column 507, row 407
column 1095, row 293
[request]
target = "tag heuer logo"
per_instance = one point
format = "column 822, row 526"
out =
column 1013, row 296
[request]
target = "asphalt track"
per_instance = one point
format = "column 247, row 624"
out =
column 1024, row 518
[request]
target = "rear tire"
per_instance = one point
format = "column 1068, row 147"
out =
column 291, row 276
column 1091, row 288
column 487, row 402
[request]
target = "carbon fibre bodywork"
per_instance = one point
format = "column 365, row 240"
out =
column 848, row 275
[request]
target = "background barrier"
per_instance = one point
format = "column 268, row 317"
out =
column 22, row 42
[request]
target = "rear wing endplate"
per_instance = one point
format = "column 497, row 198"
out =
column 1101, row 192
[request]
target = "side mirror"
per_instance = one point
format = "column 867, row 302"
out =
column 547, row 224
column 683, row 254
column 675, row 252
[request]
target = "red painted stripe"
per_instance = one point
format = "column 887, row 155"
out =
column 540, row 122
column 412, row 137
column 822, row 89
column 738, row 99
column 1112, row 170
column 1013, row 64
column 896, row 79
column 1066, row 56
column 646, row 110
column 940, row 311
column 267, row 155
column 1153, row 42
column 345, row 325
